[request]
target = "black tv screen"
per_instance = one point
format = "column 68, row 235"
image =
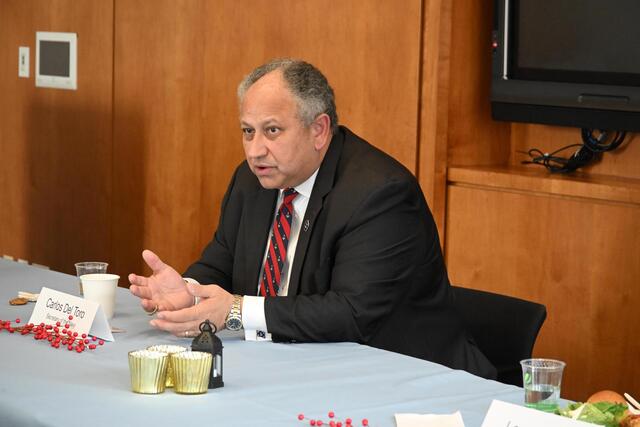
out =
column 567, row 62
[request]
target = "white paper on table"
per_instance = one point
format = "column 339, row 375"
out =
column 429, row 420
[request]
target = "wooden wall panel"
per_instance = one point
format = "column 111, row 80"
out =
column 177, row 65
column 577, row 256
column 55, row 167
column 474, row 138
column 158, row 129
column 434, row 107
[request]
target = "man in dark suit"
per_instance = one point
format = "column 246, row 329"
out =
column 322, row 237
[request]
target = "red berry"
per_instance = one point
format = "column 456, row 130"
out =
column 93, row 347
column 331, row 414
column 332, row 423
column 101, row 342
column 348, row 421
column 66, row 325
column 365, row 422
column 18, row 320
column 312, row 422
column 319, row 422
column 339, row 424
column 84, row 335
column 70, row 317
column 300, row 416
column 94, row 338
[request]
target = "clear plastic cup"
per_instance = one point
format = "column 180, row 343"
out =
column 542, row 379
column 89, row 267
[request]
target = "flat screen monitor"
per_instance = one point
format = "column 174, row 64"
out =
column 567, row 62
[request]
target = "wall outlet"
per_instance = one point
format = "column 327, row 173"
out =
column 23, row 62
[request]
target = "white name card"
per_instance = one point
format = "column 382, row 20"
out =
column 88, row 317
column 503, row 414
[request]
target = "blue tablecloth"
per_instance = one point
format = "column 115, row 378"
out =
column 266, row 384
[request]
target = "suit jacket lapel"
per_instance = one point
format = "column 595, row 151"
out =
column 259, row 220
column 322, row 186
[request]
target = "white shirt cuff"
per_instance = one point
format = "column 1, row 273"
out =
column 253, row 319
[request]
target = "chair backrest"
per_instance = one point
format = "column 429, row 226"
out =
column 504, row 328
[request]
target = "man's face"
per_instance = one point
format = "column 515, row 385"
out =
column 280, row 150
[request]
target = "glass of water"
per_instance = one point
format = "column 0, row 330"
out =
column 542, row 379
column 89, row 267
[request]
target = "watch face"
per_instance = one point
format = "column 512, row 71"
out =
column 234, row 324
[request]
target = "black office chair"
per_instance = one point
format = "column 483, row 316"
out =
column 504, row 328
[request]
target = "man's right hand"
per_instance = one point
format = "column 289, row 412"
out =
column 164, row 290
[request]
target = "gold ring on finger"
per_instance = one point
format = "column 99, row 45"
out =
column 155, row 310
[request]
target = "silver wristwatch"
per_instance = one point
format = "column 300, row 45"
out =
column 234, row 318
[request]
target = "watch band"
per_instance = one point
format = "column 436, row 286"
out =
column 234, row 318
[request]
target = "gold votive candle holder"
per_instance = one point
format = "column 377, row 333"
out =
column 148, row 371
column 191, row 370
column 169, row 349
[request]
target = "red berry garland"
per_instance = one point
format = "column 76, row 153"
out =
column 52, row 334
column 332, row 423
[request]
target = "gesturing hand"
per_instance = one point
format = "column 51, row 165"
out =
column 214, row 305
column 163, row 290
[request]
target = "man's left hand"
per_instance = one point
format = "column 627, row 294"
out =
column 214, row 305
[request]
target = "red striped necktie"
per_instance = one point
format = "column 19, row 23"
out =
column 277, row 253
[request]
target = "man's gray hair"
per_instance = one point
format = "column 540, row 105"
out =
column 308, row 85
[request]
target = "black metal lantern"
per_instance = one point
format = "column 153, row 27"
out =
column 209, row 342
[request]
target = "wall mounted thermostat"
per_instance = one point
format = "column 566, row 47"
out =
column 56, row 60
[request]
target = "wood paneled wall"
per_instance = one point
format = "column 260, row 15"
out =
column 177, row 65
column 140, row 155
column 56, row 145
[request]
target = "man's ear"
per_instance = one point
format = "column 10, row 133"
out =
column 321, row 131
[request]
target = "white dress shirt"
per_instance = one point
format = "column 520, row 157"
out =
column 253, row 318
